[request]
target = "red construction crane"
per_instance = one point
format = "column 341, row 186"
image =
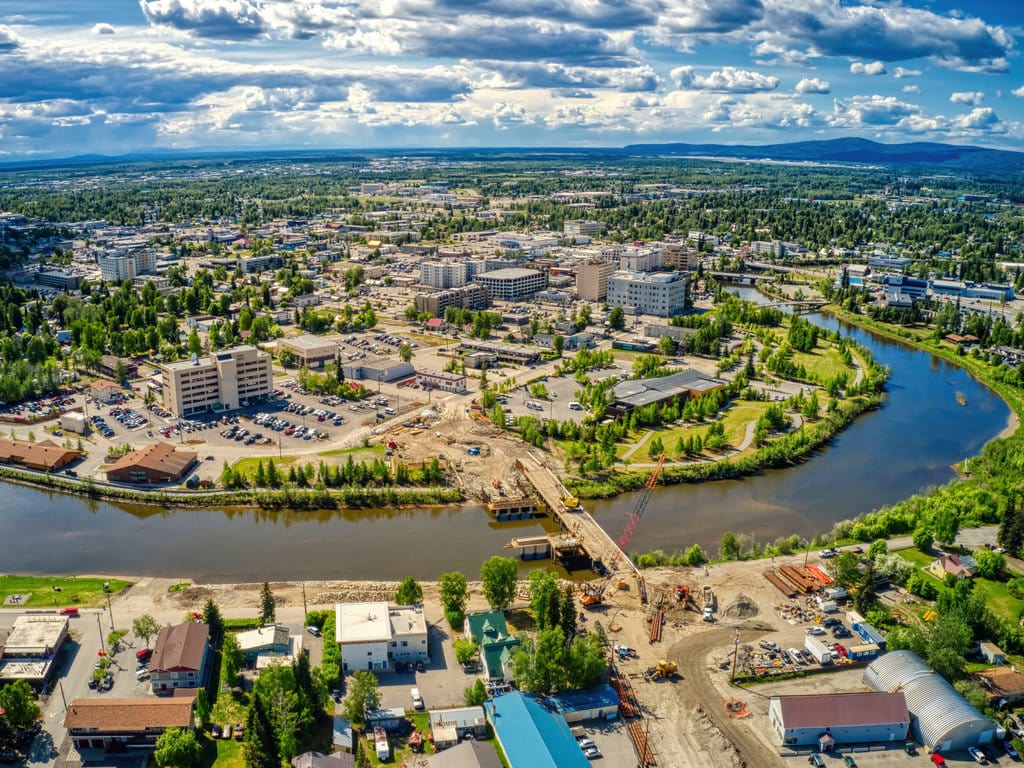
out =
column 641, row 504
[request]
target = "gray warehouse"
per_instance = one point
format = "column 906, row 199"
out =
column 943, row 721
column 839, row 718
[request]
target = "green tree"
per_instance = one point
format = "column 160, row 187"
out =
column 145, row 627
column 268, row 604
column 176, row 748
column 409, row 592
column 202, row 708
column 694, row 555
column 232, row 659
column 362, row 696
column 453, row 592
column 617, row 319
column 18, row 701
column 878, row 547
column 730, row 547
column 214, row 620
column 923, row 539
column 405, row 352
column 475, row 695
column 990, row 564
column 542, row 585
column 465, row 650
column 262, row 749
column 666, row 346
column 947, row 525
column 568, row 619
column 499, row 575
column 846, row 570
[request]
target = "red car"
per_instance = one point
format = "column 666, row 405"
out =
column 938, row 759
column 69, row 611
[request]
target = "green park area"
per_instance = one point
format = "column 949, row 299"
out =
column 56, row 592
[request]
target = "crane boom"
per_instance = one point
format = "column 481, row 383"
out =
column 641, row 504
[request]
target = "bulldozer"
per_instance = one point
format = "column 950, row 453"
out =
column 664, row 670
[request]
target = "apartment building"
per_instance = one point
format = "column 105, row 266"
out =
column 592, row 280
column 223, row 381
column 471, row 296
column 374, row 635
column 679, row 256
column 662, row 294
column 585, row 227
column 443, row 274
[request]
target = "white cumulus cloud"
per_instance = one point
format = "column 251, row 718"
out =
column 870, row 68
column 812, row 85
column 724, row 80
column 978, row 119
column 104, row 29
column 901, row 72
column 974, row 98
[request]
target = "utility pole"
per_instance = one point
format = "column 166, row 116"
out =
column 110, row 610
column 735, row 655
column 99, row 629
column 305, row 609
column 60, row 685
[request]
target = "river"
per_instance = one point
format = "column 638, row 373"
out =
column 886, row 455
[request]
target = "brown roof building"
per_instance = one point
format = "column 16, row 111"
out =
column 105, row 723
column 180, row 657
column 45, row 455
column 842, row 718
column 1002, row 683
column 156, row 463
column 105, row 391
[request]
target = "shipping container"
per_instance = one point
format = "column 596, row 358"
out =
column 818, row 649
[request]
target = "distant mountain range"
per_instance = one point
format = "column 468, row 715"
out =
column 919, row 153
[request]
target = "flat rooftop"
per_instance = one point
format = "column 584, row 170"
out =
column 24, row 669
column 362, row 623
column 407, row 620
column 510, row 273
column 308, row 342
column 36, row 634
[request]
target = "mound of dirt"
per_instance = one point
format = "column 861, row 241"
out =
column 741, row 608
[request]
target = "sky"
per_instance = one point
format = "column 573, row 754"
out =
column 118, row 76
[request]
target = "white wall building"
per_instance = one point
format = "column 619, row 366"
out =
column 221, row 382
column 662, row 294
column 443, row 274
column 373, row 635
column 512, row 284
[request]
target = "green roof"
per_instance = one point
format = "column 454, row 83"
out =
column 486, row 627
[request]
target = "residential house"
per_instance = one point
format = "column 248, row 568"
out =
column 1004, row 686
column 469, row 754
column 105, row 391
column 496, row 644
column 117, row 724
column 181, row 657
column 960, row 566
column 450, row 726
column 318, row 760
column 270, row 640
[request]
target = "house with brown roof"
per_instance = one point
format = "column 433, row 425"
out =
column 961, row 566
column 156, row 463
column 105, row 390
column 1003, row 685
column 117, row 724
column 45, row 455
column 827, row 719
column 181, row 657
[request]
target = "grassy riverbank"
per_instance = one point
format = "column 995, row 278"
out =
column 57, row 591
column 286, row 498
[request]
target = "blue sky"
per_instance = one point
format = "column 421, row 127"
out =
column 114, row 76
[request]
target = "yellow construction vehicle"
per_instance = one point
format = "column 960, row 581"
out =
column 666, row 670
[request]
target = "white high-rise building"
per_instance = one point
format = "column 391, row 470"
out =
column 662, row 294
column 443, row 274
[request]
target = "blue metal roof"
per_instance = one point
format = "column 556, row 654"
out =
column 531, row 736
column 598, row 697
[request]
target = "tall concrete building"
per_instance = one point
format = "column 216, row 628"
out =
column 443, row 274
column 662, row 294
column 513, row 284
column 223, row 381
column 592, row 280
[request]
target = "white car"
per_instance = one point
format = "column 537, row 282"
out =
column 978, row 755
column 827, row 553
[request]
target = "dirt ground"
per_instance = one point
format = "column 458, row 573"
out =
column 686, row 719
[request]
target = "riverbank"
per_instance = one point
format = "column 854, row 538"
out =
column 268, row 499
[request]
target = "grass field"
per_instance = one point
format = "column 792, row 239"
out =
column 735, row 422
column 997, row 596
column 48, row 591
column 248, row 465
column 369, row 452
column 823, row 363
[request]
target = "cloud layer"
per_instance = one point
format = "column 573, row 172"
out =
column 105, row 76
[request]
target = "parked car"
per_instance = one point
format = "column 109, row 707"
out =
column 977, row 755
column 592, row 753
column 910, row 748
column 143, row 654
column 938, row 760
column 215, row 731
column 849, row 761
column 226, row 732
column 816, row 761
column 314, row 631
column 1010, row 750
column 239, row 732
column 417, row 699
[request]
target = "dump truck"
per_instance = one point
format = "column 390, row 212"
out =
column 709, row 597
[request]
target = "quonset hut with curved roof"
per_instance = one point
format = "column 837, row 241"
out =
column 942, row 720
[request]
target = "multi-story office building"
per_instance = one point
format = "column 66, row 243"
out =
column 592, row 280
column 573, row 227
column 512, row 284
column 471, row 296
column 224, row 381
column 662, row 294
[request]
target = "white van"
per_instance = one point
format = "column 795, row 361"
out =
column 574, row 406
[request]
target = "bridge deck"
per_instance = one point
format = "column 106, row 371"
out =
column 577, row 522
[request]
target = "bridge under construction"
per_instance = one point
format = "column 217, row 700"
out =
column 580, row 540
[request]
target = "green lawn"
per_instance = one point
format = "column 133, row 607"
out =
column 823, row 363
column 369, row 452
column 248, row 465
column 997, row 596
column 736, row 419
column 72, row 591
column 224, row 753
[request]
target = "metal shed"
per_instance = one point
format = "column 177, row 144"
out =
column 943, row 721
